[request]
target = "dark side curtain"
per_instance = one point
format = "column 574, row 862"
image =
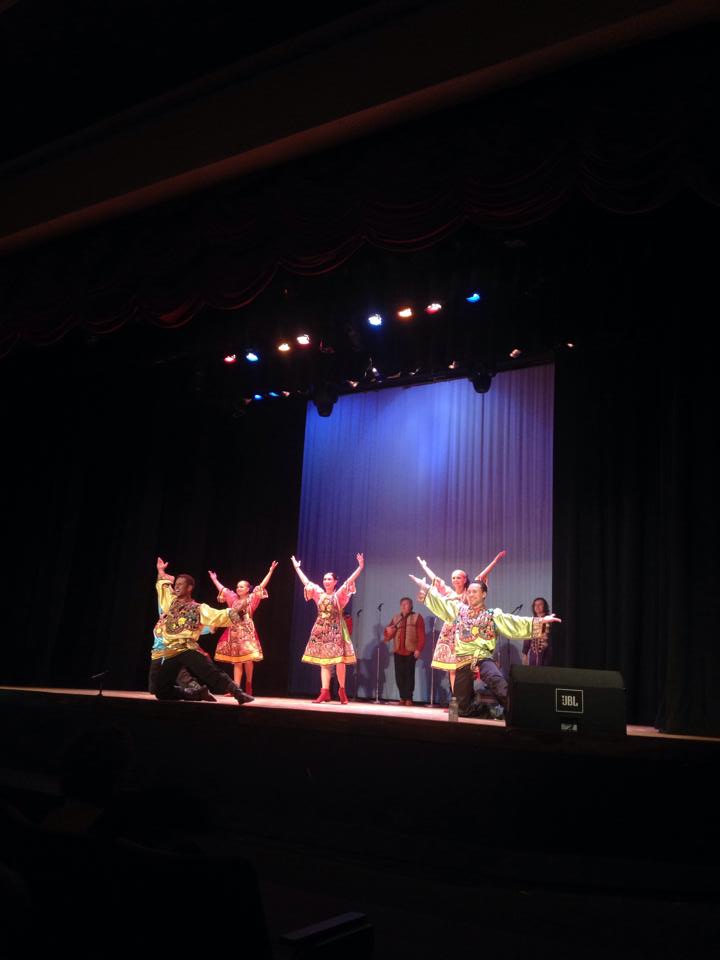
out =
column 636, row 527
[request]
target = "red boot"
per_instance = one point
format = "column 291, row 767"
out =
column 342, row 696
column 323, row 696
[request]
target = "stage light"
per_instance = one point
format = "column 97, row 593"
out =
column 257, row 396
column 375, row 320
column 454, row 365
column 515, row 353
column 286, row 393
column 230, row 358
column 473, row 298
column 251, row 356
column 433, row 308
column 273, row 394
column 570, row 346
column 284, row 347
column 354, row 383
column 303, row 340
column 405, row 313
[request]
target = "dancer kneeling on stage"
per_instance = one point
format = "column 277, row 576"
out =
column 329, row 641
column 475, row 630
column 176, row 646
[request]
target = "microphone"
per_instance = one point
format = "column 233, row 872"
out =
column 380, row 606
column 517, row 608
column 358, row 613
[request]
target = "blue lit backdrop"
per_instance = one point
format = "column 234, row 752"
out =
column 436, row 470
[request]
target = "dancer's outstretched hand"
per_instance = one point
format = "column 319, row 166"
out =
column 361, row 561
column 550, row 618
column 161, row 565
column 423, row 584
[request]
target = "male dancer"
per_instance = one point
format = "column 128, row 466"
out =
column 176, row 640
column 476, row 628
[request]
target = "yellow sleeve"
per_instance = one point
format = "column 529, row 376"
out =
column 515, row 628
column 442, row 607
column 212, row 617
column 165, row 595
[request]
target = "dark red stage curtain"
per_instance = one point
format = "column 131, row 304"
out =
column 628, row 133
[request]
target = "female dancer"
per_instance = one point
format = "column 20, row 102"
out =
column 240, row 643
column 329, row 641
column 444, row 657
column 536, row 650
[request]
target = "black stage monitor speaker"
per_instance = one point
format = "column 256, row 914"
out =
column 564, row 700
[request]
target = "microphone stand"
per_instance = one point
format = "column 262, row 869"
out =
column 101, row 678
column 433, row 638
column 377, row 670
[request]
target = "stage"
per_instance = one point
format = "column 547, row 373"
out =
column 393, row 811
column 296, row 754
column 382, row 711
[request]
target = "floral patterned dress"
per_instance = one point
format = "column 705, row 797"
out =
column 444, row 656
column 329, row 638
column 240, row 642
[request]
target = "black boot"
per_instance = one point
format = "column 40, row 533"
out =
column 239, row 695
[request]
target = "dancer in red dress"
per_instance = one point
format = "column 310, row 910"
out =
column 240, row 643
column 329, row 641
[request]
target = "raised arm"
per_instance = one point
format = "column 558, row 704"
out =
column 218, row 585
column 163, row 586
column 298, row 571
column 266, row 579
column 442, row 607
column 483, row 575
column 426, row 568
column 356, row 573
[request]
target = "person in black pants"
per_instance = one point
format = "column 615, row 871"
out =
column 407, row 631
column 176, row 640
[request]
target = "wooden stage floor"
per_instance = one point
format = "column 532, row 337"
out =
column 366, row 709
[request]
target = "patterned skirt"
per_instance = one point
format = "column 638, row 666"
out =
column 444, row 656
column 239, row 643
column 328, row 644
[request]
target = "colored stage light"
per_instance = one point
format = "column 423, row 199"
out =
column 286, row 393
column 303, row 340
column 273, row 394
column 433, row 308
column 354, row 383
column 230, row 358
column 284, row 347
column 375, row 320
column 473, row 298
column 405, row 314
column 257, row 396
column 515, row 353
column 251, row 356
column 454, row 365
